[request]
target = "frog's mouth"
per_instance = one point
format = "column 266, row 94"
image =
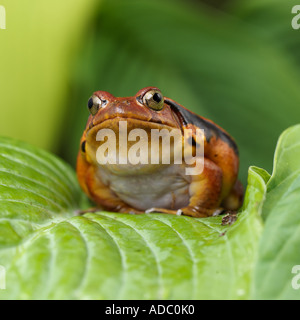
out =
column 113, row 123
column 119, row 124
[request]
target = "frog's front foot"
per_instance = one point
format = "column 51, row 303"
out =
column 187, row 211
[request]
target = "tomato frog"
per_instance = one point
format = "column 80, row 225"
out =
column 162, row 187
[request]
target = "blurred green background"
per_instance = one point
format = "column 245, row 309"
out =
column 234, row 62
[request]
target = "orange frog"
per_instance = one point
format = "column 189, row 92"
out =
column 122, row 186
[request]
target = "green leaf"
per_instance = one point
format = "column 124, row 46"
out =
column 280, row 242
column 50, row 253
column 34, row 188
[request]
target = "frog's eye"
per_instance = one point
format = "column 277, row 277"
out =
column 154, row 99
column 94, row 104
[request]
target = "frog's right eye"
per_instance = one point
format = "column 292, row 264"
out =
column 94, row 104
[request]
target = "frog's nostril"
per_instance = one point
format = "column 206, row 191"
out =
column 127, row 102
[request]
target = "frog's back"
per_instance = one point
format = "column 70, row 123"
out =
column 211, row 130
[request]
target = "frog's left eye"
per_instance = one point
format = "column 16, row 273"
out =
column 94, row 104
column 154, row 99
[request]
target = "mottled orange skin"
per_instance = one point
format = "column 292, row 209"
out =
column 215, row 189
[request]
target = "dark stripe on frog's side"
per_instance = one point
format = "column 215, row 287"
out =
column 210, row 129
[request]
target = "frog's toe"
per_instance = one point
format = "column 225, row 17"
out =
column 151, row 210
column 179, row 212
column 218, row 211
column 195, row 212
